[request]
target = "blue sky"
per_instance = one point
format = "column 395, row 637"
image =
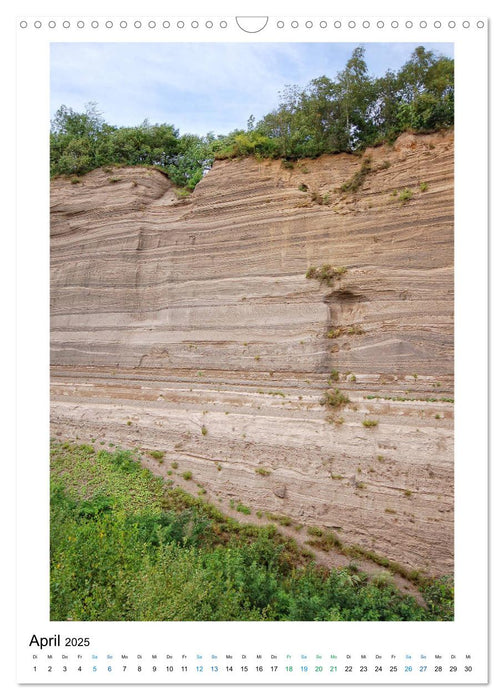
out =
column 200, row 87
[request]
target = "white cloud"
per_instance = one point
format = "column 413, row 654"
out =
column 198, row 87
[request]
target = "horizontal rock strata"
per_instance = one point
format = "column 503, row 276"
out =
column 187, row 324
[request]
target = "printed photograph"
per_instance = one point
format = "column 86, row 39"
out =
column 252, row 332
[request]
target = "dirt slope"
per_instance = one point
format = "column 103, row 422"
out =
column 188, row 325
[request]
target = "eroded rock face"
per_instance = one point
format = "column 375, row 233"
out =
column 172, row 315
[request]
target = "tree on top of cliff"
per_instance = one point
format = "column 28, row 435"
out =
column 83, row 141
column 344, row 114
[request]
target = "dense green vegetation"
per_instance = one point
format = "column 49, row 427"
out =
column 81, row 142
column 126, row 545
column 344, row 114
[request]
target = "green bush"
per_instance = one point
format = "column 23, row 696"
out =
column 325, row 273
column 334, row 398
column 405, row 195
column 243, row 509
column 358, row 178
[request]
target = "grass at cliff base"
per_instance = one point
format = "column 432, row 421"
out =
column 126, row 545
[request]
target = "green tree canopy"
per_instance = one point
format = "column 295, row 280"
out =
column 330, row 115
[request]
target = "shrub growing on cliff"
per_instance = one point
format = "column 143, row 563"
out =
column 325, row 274
column 358, row 178
column 243, row 509
column 405, row 195
column 334, row 398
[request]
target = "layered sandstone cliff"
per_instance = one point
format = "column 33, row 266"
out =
column 187, row 324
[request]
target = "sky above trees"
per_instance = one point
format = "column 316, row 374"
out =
column 200, row 87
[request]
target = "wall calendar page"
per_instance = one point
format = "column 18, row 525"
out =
column 248, row 375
